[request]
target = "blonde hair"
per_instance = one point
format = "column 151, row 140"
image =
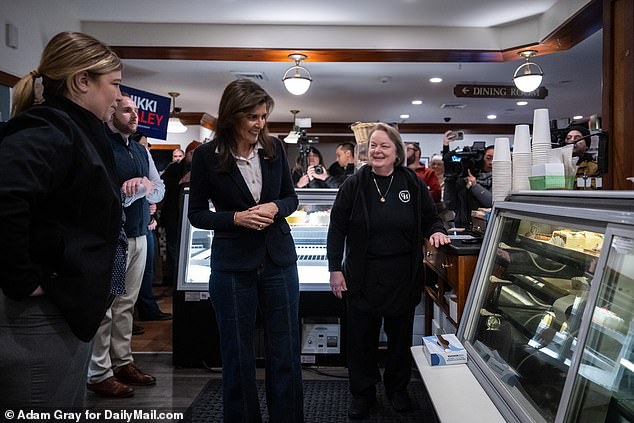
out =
column 65, row 55
column 395, row 137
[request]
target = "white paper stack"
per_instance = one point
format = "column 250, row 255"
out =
column 502, row 182
column 541, row 137
column 522, row 158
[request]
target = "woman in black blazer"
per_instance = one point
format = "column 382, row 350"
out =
column 245, row 174
column 60, row 215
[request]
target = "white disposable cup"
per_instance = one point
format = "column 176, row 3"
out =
column 502, row 151
column 541, row 127
column 522, row 139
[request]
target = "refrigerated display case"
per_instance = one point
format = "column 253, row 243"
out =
column 549, row 319
column 322, row 316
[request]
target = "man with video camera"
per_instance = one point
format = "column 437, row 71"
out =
column 468, row 178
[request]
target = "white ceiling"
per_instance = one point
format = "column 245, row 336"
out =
column 348, row 92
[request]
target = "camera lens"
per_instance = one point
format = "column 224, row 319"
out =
column 319, row 169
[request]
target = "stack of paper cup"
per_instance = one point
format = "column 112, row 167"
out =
column 501, row 169
column 541, row 137
column 521, row 158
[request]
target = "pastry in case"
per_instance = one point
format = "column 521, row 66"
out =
column 297, row 217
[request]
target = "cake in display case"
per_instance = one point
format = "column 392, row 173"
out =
column 549, row 322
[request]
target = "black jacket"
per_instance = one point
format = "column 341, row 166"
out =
column 349, row 230
column 60, row 211
column 236, row 248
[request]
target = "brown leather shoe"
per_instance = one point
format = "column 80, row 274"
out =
column 132, row 375
column 111, row 388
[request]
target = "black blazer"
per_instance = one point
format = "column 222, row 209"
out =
column 60, row 211
column 236, row 248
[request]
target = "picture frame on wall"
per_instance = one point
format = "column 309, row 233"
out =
column 424, row 161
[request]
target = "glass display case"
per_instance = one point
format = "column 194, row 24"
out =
column 549, row 322
column 322, row 315
column 309, row 227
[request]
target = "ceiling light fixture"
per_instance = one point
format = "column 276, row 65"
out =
column 491, row 117
column 417, row 102
column 297, row 79
column 578, row 117
column 174, row 124
column 528, row 76
column 522, row 103
column 404, row 116
column 435, row 80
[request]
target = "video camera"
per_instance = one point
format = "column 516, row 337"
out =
column 303, row 145
column 460, row 160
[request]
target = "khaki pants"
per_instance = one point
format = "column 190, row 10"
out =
column 112, row 343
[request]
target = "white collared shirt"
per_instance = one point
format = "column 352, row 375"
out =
column 251, row 171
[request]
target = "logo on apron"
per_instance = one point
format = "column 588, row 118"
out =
column 404, row 196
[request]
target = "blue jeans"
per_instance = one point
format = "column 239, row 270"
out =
column 236, row 297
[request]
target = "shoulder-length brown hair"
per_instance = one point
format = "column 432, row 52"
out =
column 238, row 99
column 396, row 139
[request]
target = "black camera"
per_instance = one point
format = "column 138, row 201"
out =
column 319, row 169
column 461, row 160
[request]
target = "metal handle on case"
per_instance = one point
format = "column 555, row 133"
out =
column 446, row 266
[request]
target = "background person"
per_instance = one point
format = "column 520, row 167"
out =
column 176, row 177
column 245, row 174
column 381, row 215
column 178, row 155
column 579, row 136
column 315, row 176
column 146, row 306
column 470, row 190
column 427, row 175
column 60, row 217
column 112, row 369
column 341, row 169
column 438, row 166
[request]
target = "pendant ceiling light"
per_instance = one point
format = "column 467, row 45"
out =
column 297, row 79
column 174, row 124
column 528, row 76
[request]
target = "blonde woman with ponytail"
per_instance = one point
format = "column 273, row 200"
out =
column 60, row 212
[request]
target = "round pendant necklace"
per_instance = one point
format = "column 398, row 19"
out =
column 382, row 196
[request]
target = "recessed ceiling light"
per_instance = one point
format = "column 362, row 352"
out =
column 435, row 80
column 491, row 117
column 577, row 117
column 522, row 103
column 405, row 116
column 417, row 102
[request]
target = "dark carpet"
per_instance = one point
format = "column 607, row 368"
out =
column 325, row 401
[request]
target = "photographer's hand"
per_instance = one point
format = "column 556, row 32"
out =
column 470, row 180
column 303, row 181
column 448, row 137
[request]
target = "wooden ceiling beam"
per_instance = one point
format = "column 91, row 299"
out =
column 576, row 29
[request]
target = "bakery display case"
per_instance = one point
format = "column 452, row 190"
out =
column 322, row 316
column 309, row 227
column 549, row 319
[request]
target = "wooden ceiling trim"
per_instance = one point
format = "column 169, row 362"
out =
column 7, row 79
column 230, row 54
column 577, row 28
